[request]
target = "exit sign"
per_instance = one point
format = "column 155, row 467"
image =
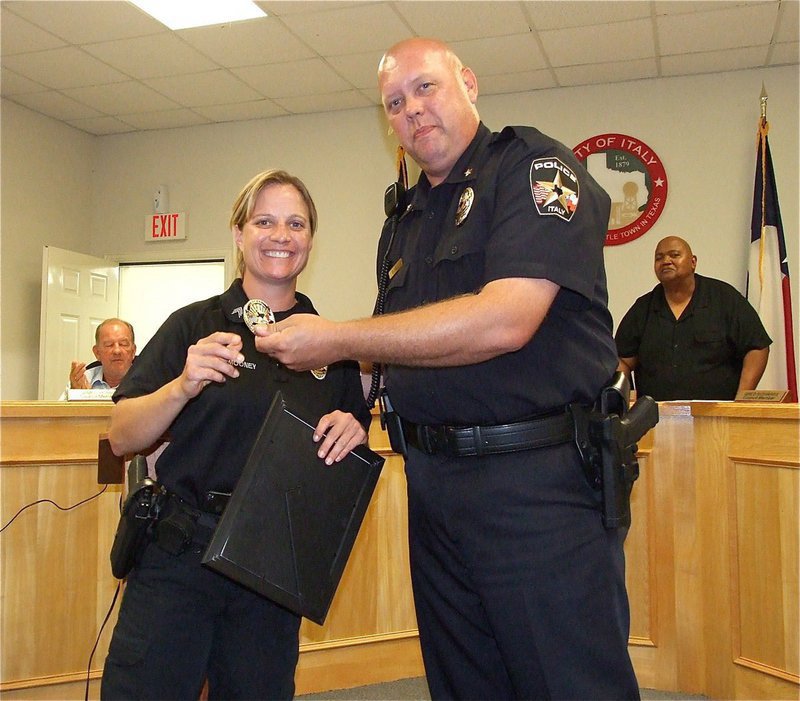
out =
column 165, row 227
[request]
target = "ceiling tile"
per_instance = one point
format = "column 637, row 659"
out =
column 14, row 84
column 164, row 120
column 81, row 22
column 713, row 61
column 264, row 40
column 513, row 54
column 561, row 15
column 360, row 70
column 121, row 98
column 309, row 77
column 785, row 54
column 788, row 22
column 683, row 7
column 210, row 88
column 324, row 103
column 600, row 44
column 67, row 67
column 730, row 28
column 18, row 36
column 152, row 56
column 614, row 72
column 54, row 104
column 108, row 57
column 101, row 125
column 279, row 8
column 476, row 19
column 259, row 109
column 368, row 26
column 516, row 82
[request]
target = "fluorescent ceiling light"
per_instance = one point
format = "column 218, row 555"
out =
column 181, row 14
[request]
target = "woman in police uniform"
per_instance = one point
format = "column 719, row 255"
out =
column 202, row 382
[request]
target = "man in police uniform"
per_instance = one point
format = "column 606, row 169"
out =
column 496, row 320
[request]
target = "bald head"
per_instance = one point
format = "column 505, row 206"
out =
column 674, row 242
column 674, row 263
column 429, row 98
column 416, row 45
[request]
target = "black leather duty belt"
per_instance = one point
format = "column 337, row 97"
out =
column 463, row 441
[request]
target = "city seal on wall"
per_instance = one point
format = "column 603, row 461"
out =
column 633, row 176
column 554, row 187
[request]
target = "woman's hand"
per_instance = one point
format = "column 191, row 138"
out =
column 210, row 360
column 339, row 432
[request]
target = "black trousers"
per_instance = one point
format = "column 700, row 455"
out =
column 519, row 589
column 180, row 622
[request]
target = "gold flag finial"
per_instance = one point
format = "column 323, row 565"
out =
column 763, row 101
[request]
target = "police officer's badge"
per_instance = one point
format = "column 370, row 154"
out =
column 554, row 187
column 464, row 205
column 256, row 312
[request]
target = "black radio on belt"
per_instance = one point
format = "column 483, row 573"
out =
column 392, row 424
column 139, row 512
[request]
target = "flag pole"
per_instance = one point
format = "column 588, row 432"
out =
column 764, row 98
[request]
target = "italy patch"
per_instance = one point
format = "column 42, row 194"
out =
column 554, row 187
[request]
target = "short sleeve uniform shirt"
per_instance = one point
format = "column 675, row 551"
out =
column 517, row 204
column 211, row 438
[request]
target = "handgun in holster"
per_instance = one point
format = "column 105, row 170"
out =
column 606, row 436
column 138, row 514
column 392, row 424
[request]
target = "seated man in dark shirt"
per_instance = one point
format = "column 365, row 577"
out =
column 691, row 337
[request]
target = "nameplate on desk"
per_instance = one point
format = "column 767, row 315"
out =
column 778, row 396
column 74, row 395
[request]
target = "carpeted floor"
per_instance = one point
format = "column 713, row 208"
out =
column 417, row 690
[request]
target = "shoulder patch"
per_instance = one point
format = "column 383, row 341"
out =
column 554, row 187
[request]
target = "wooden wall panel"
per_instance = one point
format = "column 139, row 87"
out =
column 712, row 559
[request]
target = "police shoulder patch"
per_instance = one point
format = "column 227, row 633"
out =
column 554, row 187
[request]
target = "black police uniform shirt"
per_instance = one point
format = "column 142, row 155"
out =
column 211, row 438
column 699, row 355
column 516, row 204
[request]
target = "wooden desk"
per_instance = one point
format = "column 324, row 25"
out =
column 712, row 559
column 57, row 584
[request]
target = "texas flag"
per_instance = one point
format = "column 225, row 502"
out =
column 768, row 273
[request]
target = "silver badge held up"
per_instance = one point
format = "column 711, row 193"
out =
column 256, row 312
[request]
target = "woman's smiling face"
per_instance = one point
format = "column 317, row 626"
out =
column 276, row 239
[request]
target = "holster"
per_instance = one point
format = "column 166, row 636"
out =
column 139, row 512
column 606, row 437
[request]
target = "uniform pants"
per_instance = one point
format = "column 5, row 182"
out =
column 180, row 622
column 519, row 589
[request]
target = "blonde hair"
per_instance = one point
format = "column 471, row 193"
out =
column 245, row 203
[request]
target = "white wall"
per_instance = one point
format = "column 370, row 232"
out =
column 46, row 189
column 702, row 127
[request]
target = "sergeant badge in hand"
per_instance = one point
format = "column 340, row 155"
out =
column 257, row 313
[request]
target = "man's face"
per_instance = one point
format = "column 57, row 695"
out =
column 429, row 104
column 673, row 261
column 115, row 349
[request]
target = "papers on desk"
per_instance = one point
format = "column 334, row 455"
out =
column 75, row 395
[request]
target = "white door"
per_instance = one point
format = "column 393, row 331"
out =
column 78, row 292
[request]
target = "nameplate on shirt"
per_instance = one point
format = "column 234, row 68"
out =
column 778, row 396
column 89, row 394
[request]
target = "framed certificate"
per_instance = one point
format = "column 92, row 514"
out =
column 291, row 522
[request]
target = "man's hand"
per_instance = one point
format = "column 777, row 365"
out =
column 301, row 342
column 209, row 360
column 77, row 376
column 339, row 433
